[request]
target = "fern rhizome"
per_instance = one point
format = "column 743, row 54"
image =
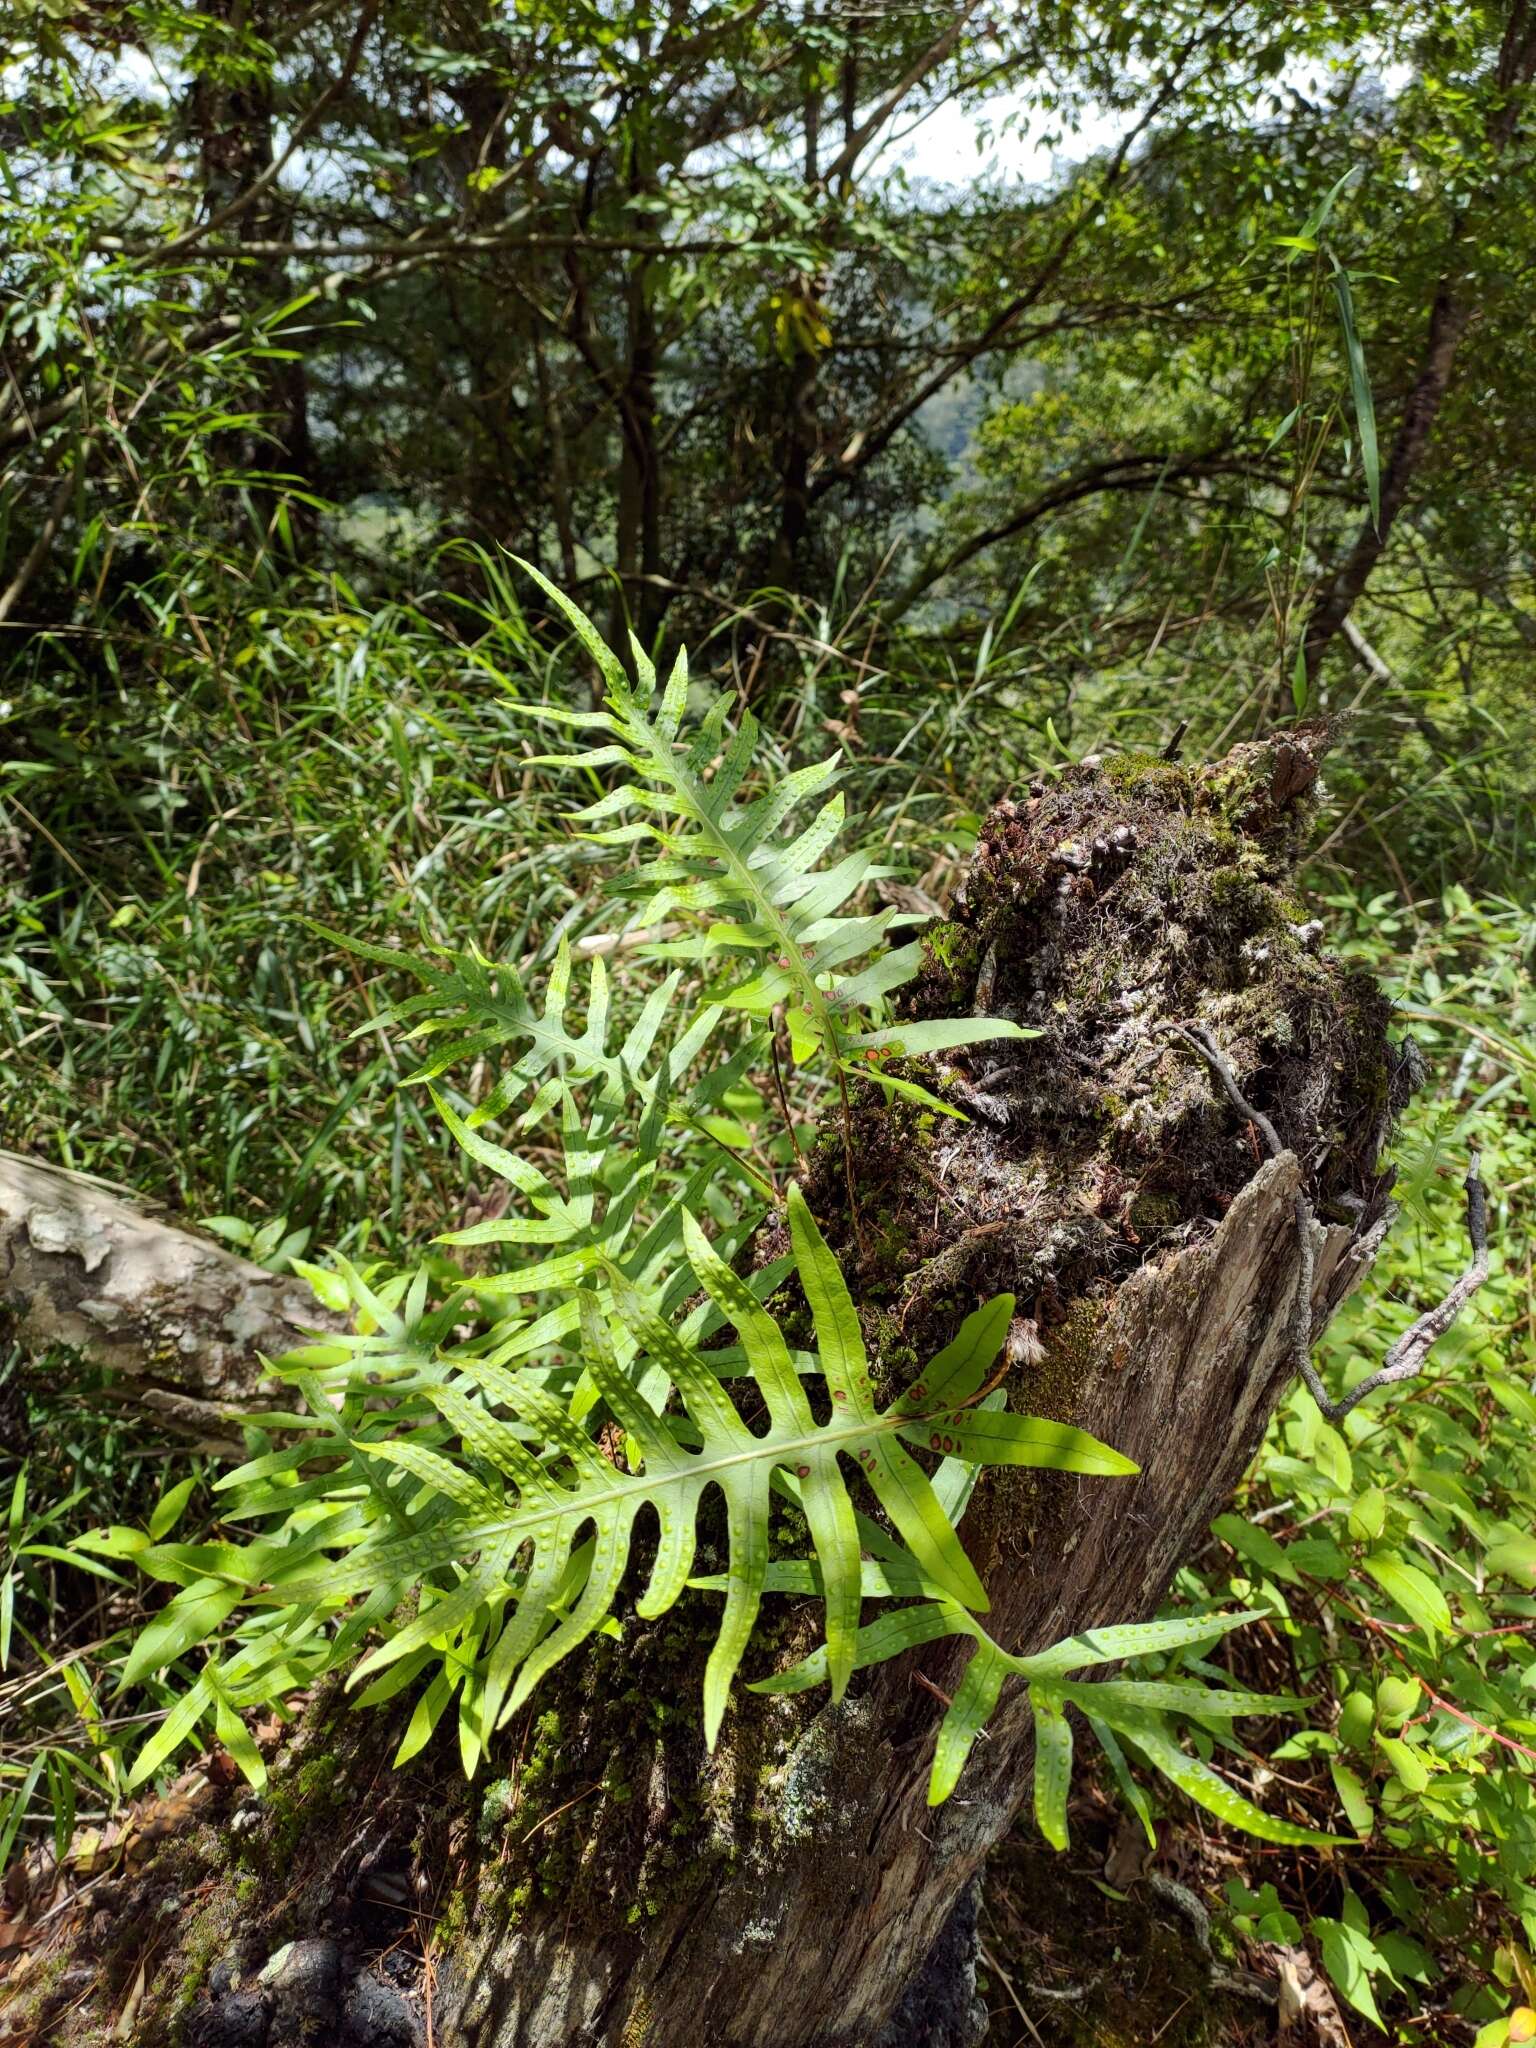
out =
column 454, row 1507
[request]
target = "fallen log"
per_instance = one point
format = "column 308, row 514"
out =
column 182, row 1323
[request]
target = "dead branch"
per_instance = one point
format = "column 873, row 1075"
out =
column 185, row 1323
column 1406, row 1358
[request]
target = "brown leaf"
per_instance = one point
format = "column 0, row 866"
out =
column 1309, row 2012
column 1129, row 1854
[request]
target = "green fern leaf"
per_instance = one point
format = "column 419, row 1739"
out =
column 1127, row 1706
column 720, row 860
column 1053, row 1765
column 475, row 1516
column 967, row 1715
column 1149, row 1734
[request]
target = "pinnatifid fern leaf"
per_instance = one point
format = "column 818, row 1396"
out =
column 768, row 929
column 721, row 860
column 486, row 1005
column 513, row 1523
column 528, row 1486
column 1134, row 1710
column 764, row 915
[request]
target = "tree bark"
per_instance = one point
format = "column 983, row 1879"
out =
column 619, row 1886
column 799, row 434
column 639, row 491
column 234, row 122
column 813, row 1939
column 638, row 512
column 184, row 1322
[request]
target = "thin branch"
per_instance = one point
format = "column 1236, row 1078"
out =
column 244, row 200
column 914, row 75
column 866, row 444
column 1121, row 473
column 11, row 596
column 1451, row 314
column 1197, row 1036
column 1407, row 1357
column 449, row 244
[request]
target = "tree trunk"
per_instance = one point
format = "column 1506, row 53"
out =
column 799, row 434
column 618, row 1886
column 637, row 603
column 551, row 406
column 233, row 116
column 1447, row 324
column 184, row 1322
column 1449, row 317
column 812, row 1937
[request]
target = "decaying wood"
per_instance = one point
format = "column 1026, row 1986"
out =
column 846, row 1894
column 182, row 1321
column 1407, row 1357
column 615, row 1886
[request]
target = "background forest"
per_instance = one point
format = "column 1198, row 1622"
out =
column 971, row 388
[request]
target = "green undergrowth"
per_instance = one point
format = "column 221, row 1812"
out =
column 172, row 1018
column 170, row 1015
column 1395, row 1553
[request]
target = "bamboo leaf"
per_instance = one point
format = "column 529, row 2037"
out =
column 1360, row 390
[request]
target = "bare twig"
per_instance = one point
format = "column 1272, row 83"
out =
column 1406, row 1358
column 1007, row 1983
column 1197, row 1036
column 52, row 519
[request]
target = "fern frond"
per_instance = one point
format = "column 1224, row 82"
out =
column 530, row 1414
column 502, row 1515
column 722, row 862
column 771, row 923
column 1135, row 1709
column 487, row 1004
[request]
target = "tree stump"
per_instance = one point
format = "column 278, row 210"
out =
column 617, row 1886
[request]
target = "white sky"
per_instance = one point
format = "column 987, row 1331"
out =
column 943, row 148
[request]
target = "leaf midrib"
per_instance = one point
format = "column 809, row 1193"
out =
column 695, row 1467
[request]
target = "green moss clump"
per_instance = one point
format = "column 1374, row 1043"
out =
column 26, row 2006
column 1054, row 1383
column 1149, row 775
column 1237, row 898
column 524, row 1803
column 292, row 1807
column 210, row 1932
